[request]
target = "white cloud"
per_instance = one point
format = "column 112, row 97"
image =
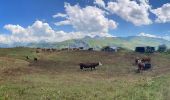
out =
column 131, row 11
column 65, row 22
column 165, row 37
column 148, row 35
column 37, row 32
column 100, row 3
column 59, row 15
column 89, row 20
column 162, row 13
column 15, row 29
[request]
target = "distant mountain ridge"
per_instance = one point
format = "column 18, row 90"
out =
column 98, row 42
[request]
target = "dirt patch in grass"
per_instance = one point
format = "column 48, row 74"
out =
column 17, row 71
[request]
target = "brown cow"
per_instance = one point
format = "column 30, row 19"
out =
column 141, row 65
column 75, row 49
column 48, row 50
column 37, row 51
column 144, row 64
column 53, row 49
column 89, row 65
column 146, row 59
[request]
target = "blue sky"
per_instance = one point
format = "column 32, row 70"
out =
column 25, row 13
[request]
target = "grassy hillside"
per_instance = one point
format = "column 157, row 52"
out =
column 56, row 76
column 97, row 43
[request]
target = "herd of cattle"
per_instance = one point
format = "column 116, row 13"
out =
column 143, row 63
column 38, row 50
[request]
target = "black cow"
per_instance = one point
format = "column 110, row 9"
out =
column 35, row 59
column 90, row 49
column 89, row 65
column 27, row 57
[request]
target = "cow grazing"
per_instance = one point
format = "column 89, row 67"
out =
column 75, row 49
column 89, row 65
column 48, row 50
column 43, row 49
column 37, row 51
column 35, row 59
column 146, row 59
column 53, row 50
column 27, row 57
column 90, row 49
column 143, row 65
column 64, row 49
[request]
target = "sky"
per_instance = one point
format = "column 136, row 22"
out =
column 25, row 21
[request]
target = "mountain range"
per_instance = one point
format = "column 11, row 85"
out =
column 98, row 42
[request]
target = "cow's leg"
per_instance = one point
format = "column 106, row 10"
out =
column 143, row 66
column 91, row 68
column 139, row 68
column 81, row 67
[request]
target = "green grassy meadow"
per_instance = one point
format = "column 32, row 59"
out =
column 56, row 76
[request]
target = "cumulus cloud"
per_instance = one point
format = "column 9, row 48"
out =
column 131, row 11
column 162, row 13
column 100, row 3
column 88, row 20
column 37, row 32
column 14, row 28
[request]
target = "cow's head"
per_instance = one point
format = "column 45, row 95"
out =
column 139, row 61
column 100, row 64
